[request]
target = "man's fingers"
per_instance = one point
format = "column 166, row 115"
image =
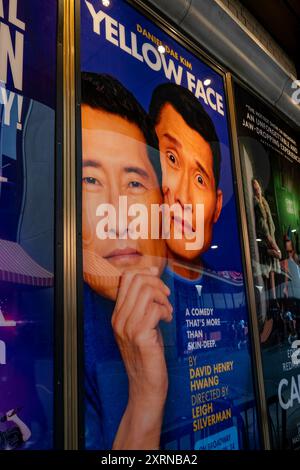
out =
column 126, row 281
column 148, row 296
column 133, row 293
column 156, row 313
column 126, row 322
column 149, row 329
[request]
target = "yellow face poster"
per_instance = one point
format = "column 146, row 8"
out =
column 166, row 329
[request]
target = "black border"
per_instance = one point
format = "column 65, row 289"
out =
column 58, row 409
column 174, row 31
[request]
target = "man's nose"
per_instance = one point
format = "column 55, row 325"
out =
column 120, row 204
column 182, row 189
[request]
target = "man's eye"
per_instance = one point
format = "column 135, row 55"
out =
column 90, row 180
column 171, row 157
column 135, row 184
column 200, row 180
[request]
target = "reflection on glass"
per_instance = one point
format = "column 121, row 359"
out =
column 269, row 153
column 26, row 281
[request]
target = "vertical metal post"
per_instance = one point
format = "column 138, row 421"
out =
column 248, row 264
column 70, row 232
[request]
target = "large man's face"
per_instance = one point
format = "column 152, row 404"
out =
column 116, row 163
column 188, row 178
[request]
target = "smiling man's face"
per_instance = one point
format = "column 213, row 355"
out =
column 188, row 177
column 116, row 163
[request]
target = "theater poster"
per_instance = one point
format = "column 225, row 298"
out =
column 270, row 159
column 166, row 327
column 27, row 124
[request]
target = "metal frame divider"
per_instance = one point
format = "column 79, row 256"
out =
column 58, row 412
column 70, row 232
column 261, row 398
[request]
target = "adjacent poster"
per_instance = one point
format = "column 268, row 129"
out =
column 166, row 328
column 270, row 159
column 27, row 161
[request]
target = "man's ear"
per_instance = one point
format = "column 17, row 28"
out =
column 219, row 205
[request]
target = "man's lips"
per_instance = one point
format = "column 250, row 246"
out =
column 122, row 254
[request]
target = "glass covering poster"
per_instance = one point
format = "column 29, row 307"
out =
column 167, row 353
column 270, row 160
column 27, row 123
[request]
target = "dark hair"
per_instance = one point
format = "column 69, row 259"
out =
column 104, row 92
column 187, row 105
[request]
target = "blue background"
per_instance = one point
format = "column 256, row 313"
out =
column 99, row 55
